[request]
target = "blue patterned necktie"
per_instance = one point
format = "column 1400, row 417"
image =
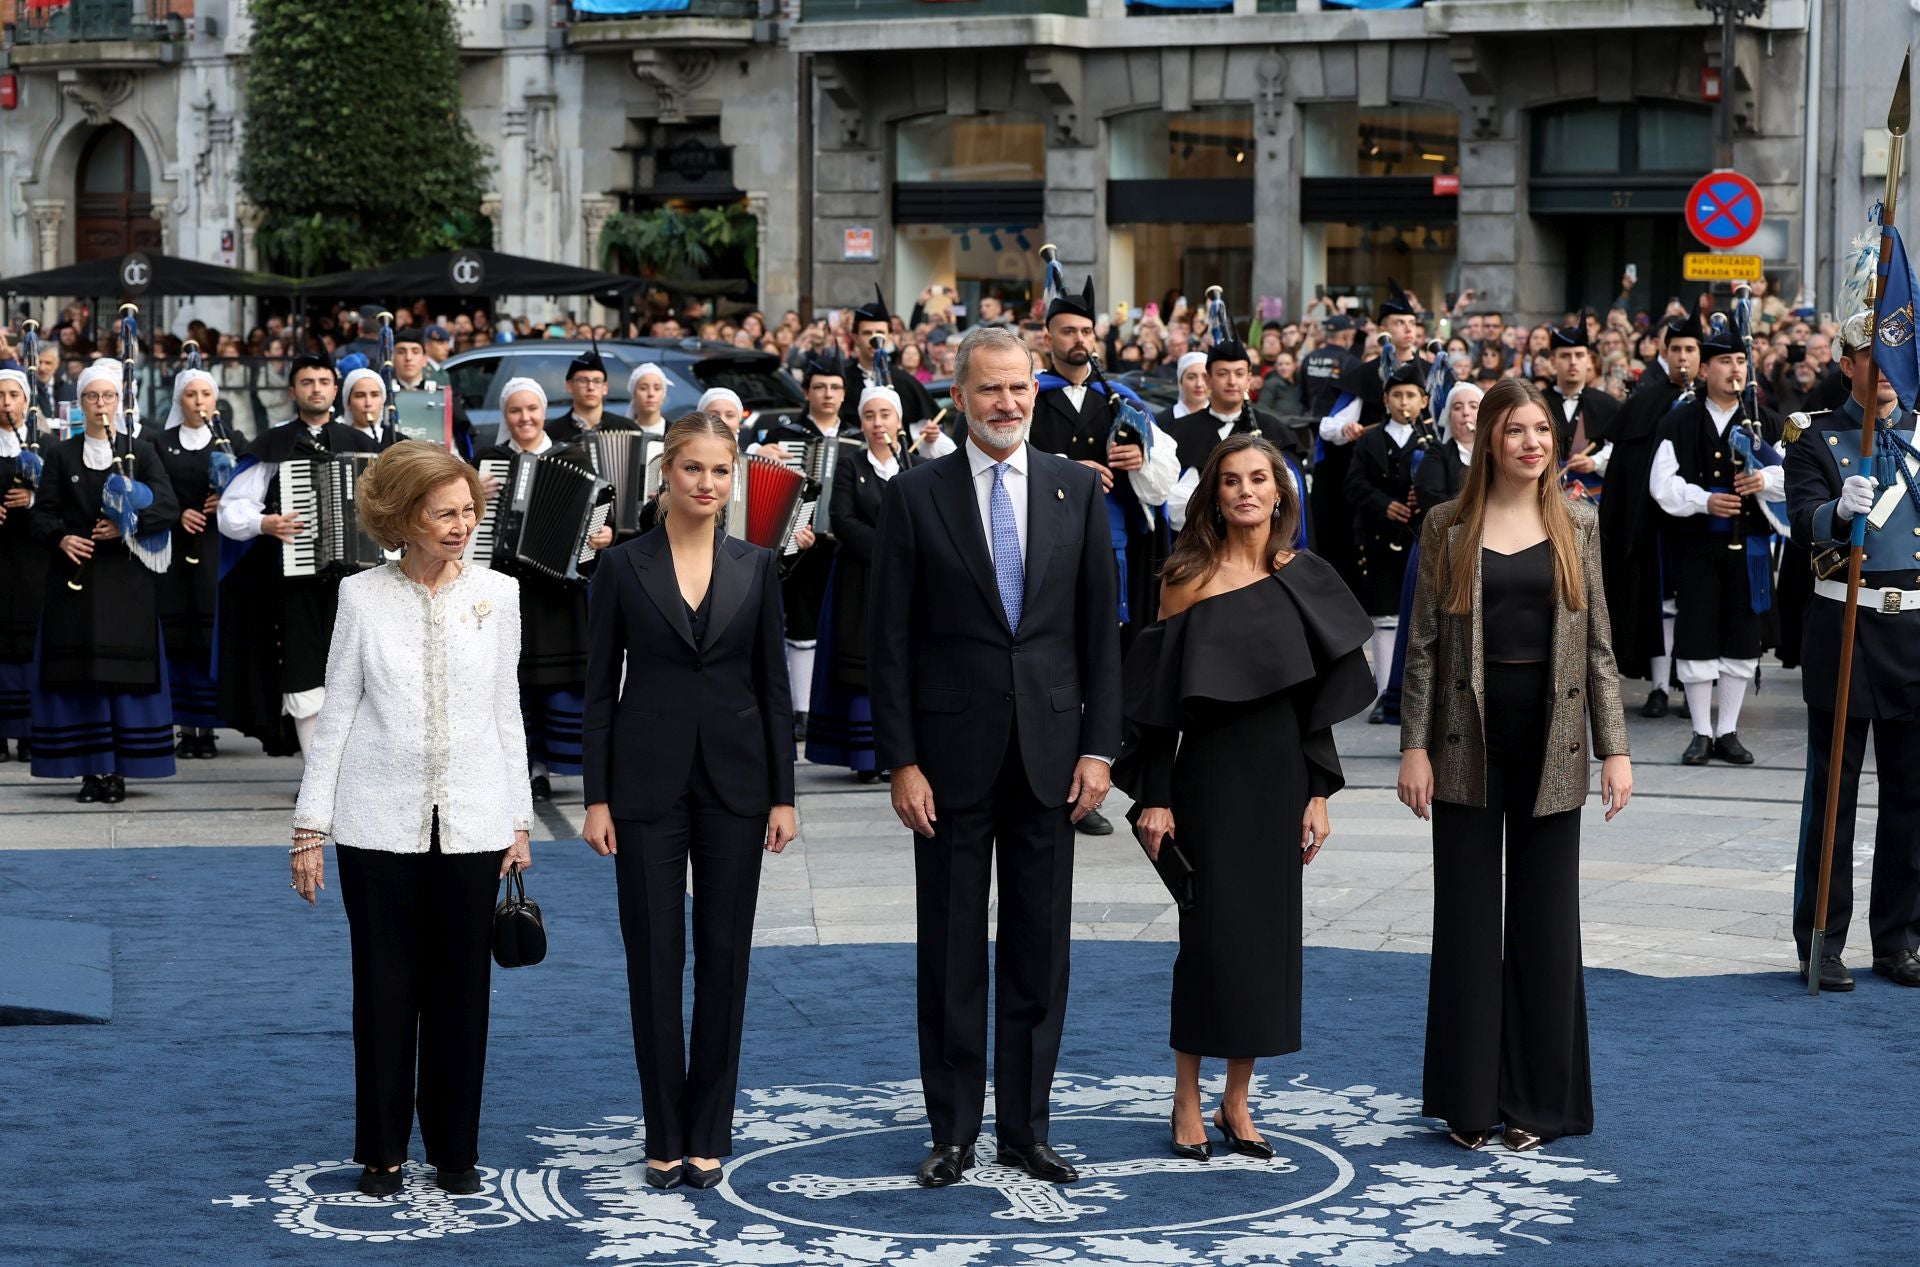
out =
column 1008, row 568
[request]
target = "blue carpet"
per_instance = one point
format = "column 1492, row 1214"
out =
column 1739, row 1121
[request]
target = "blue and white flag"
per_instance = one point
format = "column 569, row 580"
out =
column 1894, row 350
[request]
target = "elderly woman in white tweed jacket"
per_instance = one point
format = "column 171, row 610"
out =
column 425, row 655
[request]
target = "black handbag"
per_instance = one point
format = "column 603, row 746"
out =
column 519, row 932
column 1173, row 866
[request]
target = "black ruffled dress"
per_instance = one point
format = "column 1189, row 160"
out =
column 1230, row 710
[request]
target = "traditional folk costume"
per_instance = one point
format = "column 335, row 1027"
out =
column 1381, row 475
column 23, row 577
column 1584, row 420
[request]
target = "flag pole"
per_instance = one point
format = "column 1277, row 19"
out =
column 1897, row 120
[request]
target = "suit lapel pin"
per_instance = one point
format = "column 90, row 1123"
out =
column 1060, row 494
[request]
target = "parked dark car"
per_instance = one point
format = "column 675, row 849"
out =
column 691, row 366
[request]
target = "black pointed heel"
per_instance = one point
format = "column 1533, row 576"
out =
column 1245, row 1147
column 1203, row 1151
column 699, row 1178
column 671, row 1177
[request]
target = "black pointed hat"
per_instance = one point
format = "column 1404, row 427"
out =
column 1687, row 327
column 1573, row 336
column 587, row 362
column 1398, row 302
column 1409, row 373
column 1722, row 342
column 875, row 311
column 1081, row 305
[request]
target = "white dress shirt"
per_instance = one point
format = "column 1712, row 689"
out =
column 1602, row 455
column 422, row 710
column 1015, row 480
column 194, row 439
column 244, row 502
column 1189, row 481
column 546, row 442
column 1680, row 498
column 888, row 467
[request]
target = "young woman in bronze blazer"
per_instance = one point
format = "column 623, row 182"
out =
column 1509, row 659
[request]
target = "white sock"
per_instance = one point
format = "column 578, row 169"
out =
column 1662, row 671
column 304, row 727
column 1700, row 705
column 800, row 674
column 1382, row 659
column 1666, row 633
column 536, row 769
column 1729, row 695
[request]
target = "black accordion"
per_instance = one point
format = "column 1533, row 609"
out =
column 321, row 492
column 815, row 458
column 630, row 461
column 542, row 519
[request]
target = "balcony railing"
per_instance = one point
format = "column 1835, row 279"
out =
column 97, row 21
column 935, row 10
column 625, row 10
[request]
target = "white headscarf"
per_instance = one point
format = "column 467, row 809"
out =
column 9, row 440
column 177, row 416
column 879, row 391
column 513, row 388
column 640, row 371
column 1187, row 361
column 109, row 371
column 346, row 390
column 712, row 394
column 1459, row 391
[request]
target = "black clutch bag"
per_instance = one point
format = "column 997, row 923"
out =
column 1174, row 867
column 519, row 932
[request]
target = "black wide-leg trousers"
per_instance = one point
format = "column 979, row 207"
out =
column 421, row 926
column 1034, row 847
column 687, row 1089
column 1893, row 913
column 1506, row 1003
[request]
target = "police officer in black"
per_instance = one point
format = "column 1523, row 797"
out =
column 1325, row 369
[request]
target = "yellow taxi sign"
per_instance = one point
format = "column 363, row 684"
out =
column 1701, row 266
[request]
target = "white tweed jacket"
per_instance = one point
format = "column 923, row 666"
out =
column 422, row 711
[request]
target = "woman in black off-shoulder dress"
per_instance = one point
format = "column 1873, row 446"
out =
column 1231, row 700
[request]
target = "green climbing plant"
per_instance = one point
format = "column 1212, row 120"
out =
column 667, row 242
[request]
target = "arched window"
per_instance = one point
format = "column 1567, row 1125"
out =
column 113, row 197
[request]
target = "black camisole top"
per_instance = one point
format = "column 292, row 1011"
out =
column 1516, row 597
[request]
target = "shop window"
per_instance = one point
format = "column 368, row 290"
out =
column 1168, row 262
column 1215, row 143
column 950, row 149
column 1345, row 140
column 1356, row 259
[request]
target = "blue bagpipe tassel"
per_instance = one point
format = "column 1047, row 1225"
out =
column 31, row 466
column 220, row 469
column 123, row 499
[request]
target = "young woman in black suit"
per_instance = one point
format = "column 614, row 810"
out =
column 840, row 724
column 689, row 759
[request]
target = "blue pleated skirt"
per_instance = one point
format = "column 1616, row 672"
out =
column 16, row 698
column 839, row 718
column 554, row 717
column 196, row 693
column 82, row 732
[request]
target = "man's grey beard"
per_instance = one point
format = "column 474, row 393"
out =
column 1001, row 436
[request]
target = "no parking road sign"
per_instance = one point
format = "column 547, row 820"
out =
column 1724, row 209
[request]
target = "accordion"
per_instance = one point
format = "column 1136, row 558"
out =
column 542, row 518
column 630, row 461
column 321, row 491
column 815, row 458
column 765, row 506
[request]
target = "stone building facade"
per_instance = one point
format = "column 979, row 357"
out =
column 1527, row 149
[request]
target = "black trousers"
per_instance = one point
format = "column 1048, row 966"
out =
column 1893, row 912
column 687, row 1094
column 1714, row 599
column 422, row 931
column 1034, row 845
column 1507, row 1015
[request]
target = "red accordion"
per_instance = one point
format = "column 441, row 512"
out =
column 766, row 503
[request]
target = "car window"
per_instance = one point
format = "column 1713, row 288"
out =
column 549, row 369
column 683, row 391
column 758, row 384
column 470, row 380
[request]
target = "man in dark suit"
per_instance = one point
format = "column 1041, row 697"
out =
column 994, row 663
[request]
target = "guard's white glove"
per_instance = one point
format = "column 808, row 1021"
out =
column 1856, row 496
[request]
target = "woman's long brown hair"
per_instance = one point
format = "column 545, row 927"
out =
column 1457, row 566
column 1196, row 552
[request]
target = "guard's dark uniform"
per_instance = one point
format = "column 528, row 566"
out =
column 1884, row 694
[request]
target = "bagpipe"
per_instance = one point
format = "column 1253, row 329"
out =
column 1753, row 453
column 125, row 497
column 29, row 465
column 390, row 419
column 220, row 462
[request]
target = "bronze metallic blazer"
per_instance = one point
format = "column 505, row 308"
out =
column 1443, row 703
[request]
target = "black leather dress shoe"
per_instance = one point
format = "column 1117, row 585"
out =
column 26, row 750
column 462, row 1183
column 380, row 1183
column 671, row 1177
column 1094, row 824
column 1699, row 750
column 89, row 790
column 1040, row 1161
column 542, row 788
column 1901, row 969
column 187, row 748
column 1728, row 748
column 1656, row 705
column 209, row 747
column 944, row 1165
column 703, row 1179
column 1245, row 1147
column 113, row 789
column 1833, row 974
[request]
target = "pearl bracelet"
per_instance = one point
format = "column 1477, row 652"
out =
column 308, row 847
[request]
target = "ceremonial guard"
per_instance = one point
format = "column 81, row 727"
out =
column 1361, row 404
column 102, row 712
column 1639, row 587
column 870, row 322
column 587, row 385
column 1380, row 489
column 1711, row 477
column 23, row 561
column 1584, row 414
column 199, row 451
column 553, row 613
column 1830, row 483
column 1082, row 417
column 275, row 629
